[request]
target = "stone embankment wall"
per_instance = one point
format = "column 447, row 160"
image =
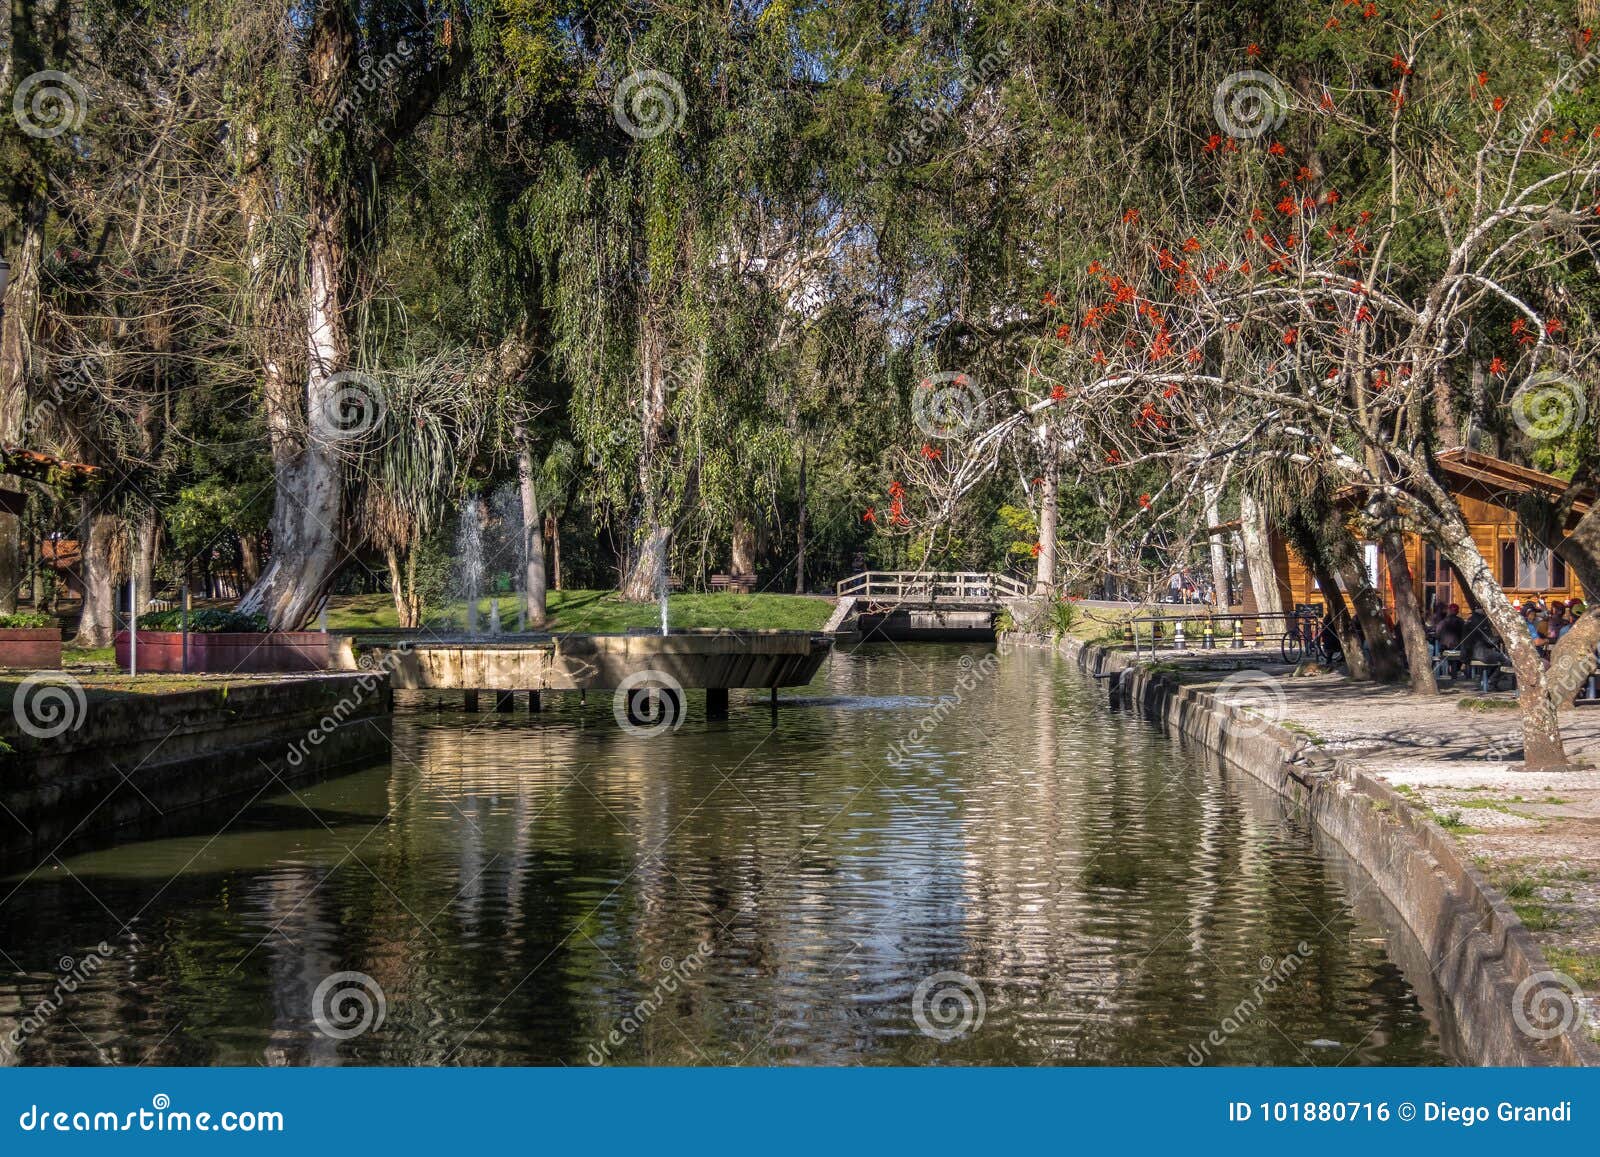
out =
column 1478, row 949
column 135, row 758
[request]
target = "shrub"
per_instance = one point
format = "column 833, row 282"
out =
column 27, row 621
column 207, row 622
column 1063, row 617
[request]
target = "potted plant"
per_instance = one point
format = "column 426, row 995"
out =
column 30, row 639
column 220, row 642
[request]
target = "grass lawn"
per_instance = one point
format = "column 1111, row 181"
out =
column 602, row 611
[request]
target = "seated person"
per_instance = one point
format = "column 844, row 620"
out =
column 1451, row 628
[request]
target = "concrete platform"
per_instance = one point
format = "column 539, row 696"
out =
column 711, row 659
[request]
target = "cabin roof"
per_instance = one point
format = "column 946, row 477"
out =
column 1488, row 469
column 38, row 466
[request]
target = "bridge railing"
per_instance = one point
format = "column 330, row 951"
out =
column 930, row 586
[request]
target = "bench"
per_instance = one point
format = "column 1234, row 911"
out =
column 742, row 584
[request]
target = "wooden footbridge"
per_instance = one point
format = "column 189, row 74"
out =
column 923, row 604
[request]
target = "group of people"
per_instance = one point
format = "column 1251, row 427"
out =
column 1474, row 640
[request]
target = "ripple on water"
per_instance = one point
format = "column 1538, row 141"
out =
column 522, row 887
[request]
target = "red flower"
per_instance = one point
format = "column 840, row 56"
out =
column 1144, row 501
column 1094, row 267
column 1483, row 78
column 1499, row 103
column 1130, row 216
column 1290, row 336
column 1287, row 206
column 1058, row 393
column 1253, row 50
column 1497, row 366
column 1192, row 245
column 1553, row 326
column 1037, row 547
column 1113, row 457
column 1396, row 98
column 870, row 516
column 1064, row 332
column 1276, row 148
column 930, row 453
column 1049, row 298
column 1398, row 63
column 1214, row 140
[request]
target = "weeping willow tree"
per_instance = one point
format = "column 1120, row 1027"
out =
column 684, row 228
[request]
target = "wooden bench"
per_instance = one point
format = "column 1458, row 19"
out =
column 741, row 584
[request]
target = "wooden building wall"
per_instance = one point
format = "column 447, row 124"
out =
column 1494, row 529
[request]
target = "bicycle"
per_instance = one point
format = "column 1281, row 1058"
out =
column 1303, row 637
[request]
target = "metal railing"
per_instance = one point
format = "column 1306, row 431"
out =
column 1248, row 632
column 926, row 586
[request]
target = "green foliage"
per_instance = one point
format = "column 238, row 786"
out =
column 27, row 621
column 1063, row 617
column 203, row 622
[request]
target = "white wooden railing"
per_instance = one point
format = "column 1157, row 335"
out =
column 927, row 587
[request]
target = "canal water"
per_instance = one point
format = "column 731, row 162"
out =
column 1037, row 879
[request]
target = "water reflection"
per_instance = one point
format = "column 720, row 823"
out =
column 524, row 889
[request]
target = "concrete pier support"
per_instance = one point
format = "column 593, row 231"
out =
column 505, row 700
column 716, row 702
column 469, row 700
column 534, row 706
column 653, row 707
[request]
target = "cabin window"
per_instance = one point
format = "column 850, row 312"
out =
column 1536, row 570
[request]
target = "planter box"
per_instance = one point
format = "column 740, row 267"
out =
column 33, row 648
column 229, row 653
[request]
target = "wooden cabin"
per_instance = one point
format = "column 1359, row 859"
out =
column 1487, row 489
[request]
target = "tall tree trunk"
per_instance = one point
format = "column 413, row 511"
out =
column 553, row 532
column 250, row 556
column 1044, row 574
column 96, row 543
column 308, row 503
column 1253, row 531
column 1408, row 613
column 148, row 532
column 647, row 574
column 532, row 538
column 21, row 305
column 800, row 530
column 397, row 588
column 1340, row 620
column 1219, row 548
column 742, row 558
column 1383, row 654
